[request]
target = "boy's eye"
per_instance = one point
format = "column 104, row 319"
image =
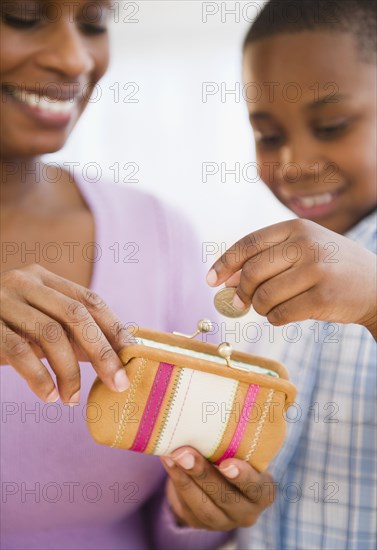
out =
column 331, row 130
column 268, row 140
column 19, row 22
column 93, row 29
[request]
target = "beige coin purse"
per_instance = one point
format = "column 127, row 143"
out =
column 188, row 392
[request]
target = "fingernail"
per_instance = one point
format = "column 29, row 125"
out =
column 53, row 396
column 74, row 399
column 230, row 471
column 168, row 461
column 121, row 381
column 237, row 302
column 211, row 277
column 185, row 459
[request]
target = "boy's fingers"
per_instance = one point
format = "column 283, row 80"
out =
column 304, row 306
column 246, row 248
column 234, row 280
column 282, row 288
column 259, row 270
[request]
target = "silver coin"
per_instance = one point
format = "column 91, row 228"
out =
column 223, row 303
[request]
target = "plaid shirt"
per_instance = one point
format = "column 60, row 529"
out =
column 327, row 470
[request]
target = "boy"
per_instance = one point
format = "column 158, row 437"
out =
column 315, row 130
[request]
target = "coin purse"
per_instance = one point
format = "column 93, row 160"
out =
column 189, row 392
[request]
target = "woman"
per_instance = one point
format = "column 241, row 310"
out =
column 65, row 249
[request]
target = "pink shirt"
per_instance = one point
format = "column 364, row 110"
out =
column 59, row 488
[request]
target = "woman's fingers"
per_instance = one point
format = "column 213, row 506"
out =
column 58, row 318
column 52, row 339
column 16, row 351
column 258, row 488
column 82, row 329
column 219, row 498
column 111, row 326
column 210, row 495
column 81, row 313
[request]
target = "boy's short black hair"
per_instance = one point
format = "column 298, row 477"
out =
column 289, row 16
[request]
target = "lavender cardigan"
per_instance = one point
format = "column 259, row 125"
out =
column 61, row 490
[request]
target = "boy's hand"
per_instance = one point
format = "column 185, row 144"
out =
column 297, row 270
column 221, row 499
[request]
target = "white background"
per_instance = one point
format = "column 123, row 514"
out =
column 171, row 49
column 168, row 53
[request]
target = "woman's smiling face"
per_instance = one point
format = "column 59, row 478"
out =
column 314, row 121
column 52, row 56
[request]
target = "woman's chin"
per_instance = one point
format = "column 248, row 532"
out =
column 36, row 148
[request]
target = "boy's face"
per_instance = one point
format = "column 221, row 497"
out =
column 312, row 106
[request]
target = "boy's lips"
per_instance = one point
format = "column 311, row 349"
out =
column 313, row 205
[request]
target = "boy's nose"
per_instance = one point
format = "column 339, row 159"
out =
column 300, row 154
column 66, row 53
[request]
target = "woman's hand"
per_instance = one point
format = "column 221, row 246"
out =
column 43, row 315
column 297, row 270
column 204, row 496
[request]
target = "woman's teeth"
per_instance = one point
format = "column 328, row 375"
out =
column 315, row 200
column 45, row 104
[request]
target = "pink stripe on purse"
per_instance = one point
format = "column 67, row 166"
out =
column 152, row 407
column 247, row 408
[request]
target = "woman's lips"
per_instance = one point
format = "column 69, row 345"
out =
column 52, row 113
column 313, row 206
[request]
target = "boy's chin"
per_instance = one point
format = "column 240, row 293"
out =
column 337, row 223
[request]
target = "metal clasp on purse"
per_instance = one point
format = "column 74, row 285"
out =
column 225, row 350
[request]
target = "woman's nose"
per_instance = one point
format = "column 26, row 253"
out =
column 67, row 53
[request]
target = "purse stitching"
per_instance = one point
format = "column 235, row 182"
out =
column 180, row 412
column 222, row 434
column 168, row 409
column 124, row 417
column 261, row 422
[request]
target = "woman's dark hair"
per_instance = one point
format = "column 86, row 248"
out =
column 290, row 16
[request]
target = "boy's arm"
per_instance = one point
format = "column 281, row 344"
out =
column 298, row 270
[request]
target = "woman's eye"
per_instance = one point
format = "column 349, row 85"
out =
column 19, row 22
